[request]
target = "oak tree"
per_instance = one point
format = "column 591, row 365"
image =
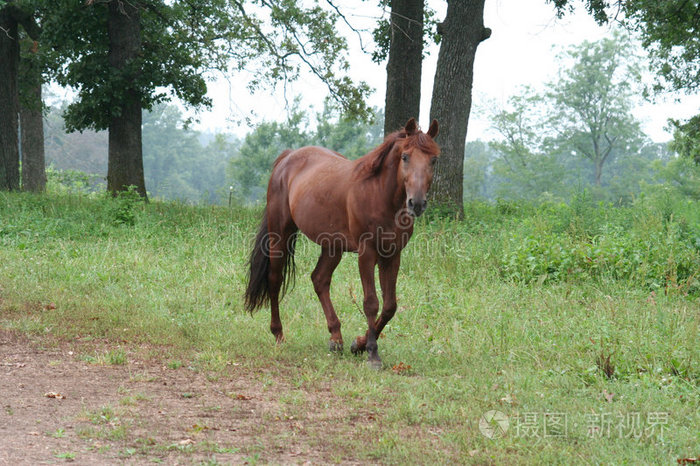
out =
column 124, row 56
column 15, row 15
column 461, row 33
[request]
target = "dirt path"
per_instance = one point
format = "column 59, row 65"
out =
column 144, row 412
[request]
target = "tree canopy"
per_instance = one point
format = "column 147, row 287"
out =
column 181, row 41
column 670, row 32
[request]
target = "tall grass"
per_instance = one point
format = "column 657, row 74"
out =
column 583, row 310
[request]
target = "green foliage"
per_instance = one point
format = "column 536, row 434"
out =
column 648, row 246
column 679, row 176
column 180, row 41
column 580, row 133
column 125, row 204
column 339, row 132
column 183, row 164
column 382, row 32
column 686, row 138
column 477, row 159
column 177, row 165
column 670, row 32
column 72, row 181
column 593, row 99
column 526, row 166
column 250, row 170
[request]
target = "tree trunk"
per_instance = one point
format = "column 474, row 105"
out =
column 31, row 127
column 598, row 171
column 403, row 71
column 9, row 103
column 125, row 164
column 462, row 31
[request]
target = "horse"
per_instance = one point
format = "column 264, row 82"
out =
column 367, row 206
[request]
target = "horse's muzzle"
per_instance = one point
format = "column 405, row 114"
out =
column 416, row 207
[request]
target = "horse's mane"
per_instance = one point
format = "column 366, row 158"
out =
column 372, row 163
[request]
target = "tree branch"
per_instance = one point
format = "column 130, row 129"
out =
column 26, row 19
column 347, row 23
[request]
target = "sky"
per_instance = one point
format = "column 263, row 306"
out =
column 526, row 37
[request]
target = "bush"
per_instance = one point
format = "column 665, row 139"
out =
column 645, row 246
column 124, row 208
column 73, row 181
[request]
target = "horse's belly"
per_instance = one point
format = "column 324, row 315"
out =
column 327, row 231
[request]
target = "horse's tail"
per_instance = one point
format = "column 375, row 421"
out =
column 257, row 294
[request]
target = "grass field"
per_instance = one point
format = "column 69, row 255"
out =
column 578, row 323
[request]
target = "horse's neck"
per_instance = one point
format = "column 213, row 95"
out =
column 393, row 193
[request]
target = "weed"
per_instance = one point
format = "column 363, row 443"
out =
column 125, row 206
column 116, row 357
column 605, row 364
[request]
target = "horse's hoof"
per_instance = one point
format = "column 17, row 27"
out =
column 279, row 339
column 375, row 364
column 335, row 346
column 354, row 348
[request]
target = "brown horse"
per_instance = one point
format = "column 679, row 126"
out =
column 365, row 206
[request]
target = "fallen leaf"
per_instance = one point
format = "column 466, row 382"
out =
column 241, row 396
column 56, row 395
column 50, row 307
column 510, row 399
column 688, row 460
column 400, row 368
column 187, row 441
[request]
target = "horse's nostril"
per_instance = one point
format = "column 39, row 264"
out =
column 410, row 203
column 425, row 204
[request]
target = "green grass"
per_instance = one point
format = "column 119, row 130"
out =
column 609, row 353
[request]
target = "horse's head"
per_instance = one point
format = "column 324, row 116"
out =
column 418, row 154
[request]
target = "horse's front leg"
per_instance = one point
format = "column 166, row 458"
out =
column 367, row 263
column 388, row 273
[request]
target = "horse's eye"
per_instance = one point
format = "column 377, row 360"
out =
column 404, row 157
column 433, row 160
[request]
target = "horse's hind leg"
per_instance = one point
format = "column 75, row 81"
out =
column 321, row 278
column 281, row 231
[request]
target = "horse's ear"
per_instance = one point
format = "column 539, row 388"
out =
column 433, row 130
column 411, row 126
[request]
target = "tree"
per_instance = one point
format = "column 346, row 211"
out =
column 85, row 151
column 31, row 120
column 461, row 33
column 686, row 138
column 177, row 162
column 670, row 32
column 527, row 166
column 342, row 134
column 120, row 55
column 405, row 63
column 478, row 157
column 250, row 171
column 12, row 15
column 593, row 99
